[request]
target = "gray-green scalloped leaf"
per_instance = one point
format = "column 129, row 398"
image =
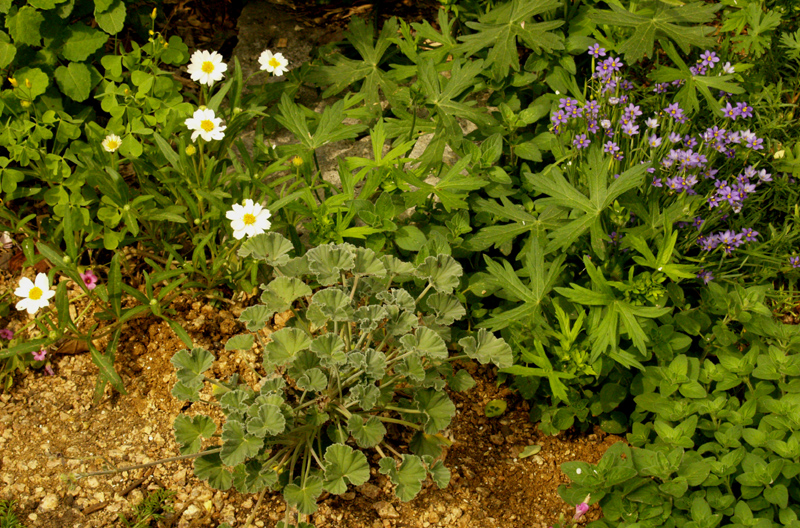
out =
column 304, row 498
column 295, row 267
column 487, row 349
column 256, row 317
column 369, row 317
column 426, row 342
column 407, row 478
column 313, row 380
column 397, row 267
column 367, row 433
column 460, row 381
column 281, row 292
column 210, row 468
column 438, row 409
column 446, row 308
column 240, row 342
column 368, row 263
column 400, row 321
column 440, row 474
column 265, row 419
column 187, row 391
column 273, row 248
column 330, row 304
column 344, row 465
column 328, row 262
column 285, row 345
column 329, row 349
column 366, row 394
column 237, row 445
column 190, row 429
column 192, row 365
column 442, row 271
column 398, row 297
column 423, row 444
column 251, row 477
column 271, row 385
column 410, row 367
column 237, row 401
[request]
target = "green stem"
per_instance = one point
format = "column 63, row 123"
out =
column 149, row 464
column 400, row 422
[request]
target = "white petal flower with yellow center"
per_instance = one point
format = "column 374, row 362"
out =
column 249, row 219
column 206, row 68
column 275, row 64
column 111, row 143
column 205, row 124
column 35, row 294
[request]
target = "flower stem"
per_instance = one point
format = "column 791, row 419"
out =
column 149, row 464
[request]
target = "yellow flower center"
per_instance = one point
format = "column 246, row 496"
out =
column 207, row 125
column 35, row 294
column 274, row 62
column 249, row 219
column 112, row 144
column 207, row 67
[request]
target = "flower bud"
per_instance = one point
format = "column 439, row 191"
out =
column 25, row 104
column 28, row 83
column 297, row 161
column 197, row 221
column 190, row 150
column 126, row 207
column 154, row 14
column 153, row 302
column 66, row 259
column 13, row 82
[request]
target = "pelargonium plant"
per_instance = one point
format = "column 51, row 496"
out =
column 360, row 355
column 708, row 165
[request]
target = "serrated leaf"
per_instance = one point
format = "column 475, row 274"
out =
column 407, row 478
column 330, row 304
column 329, row 349
column 38, row 80
column 24, row 26
column 256, row 317
column 82, row 41
column 438, row 409
column 285, row 345
column 280, row 293
column 251, row 477
column 237, row 401
column 327, row 262
column 304, row 498
column 370, row 317
column 7, row 53
column 344, row 465
column 397, row 267
column 426, row 342
column 312, row 380
column 443, row 272
column 265, row 419
column 187, row 391
column 399, row 321
column 237, row 445
column 411, row 367
column 487, row 349
column 112, row 19
column 446, row 308
column 210, row 468
column 272, row 248
column 367, row 434
column 240, row 342
column 461, row 381
column 192, row 365
column 190, row 429
column 368, row 263
column 366, row 394
column 440, row 474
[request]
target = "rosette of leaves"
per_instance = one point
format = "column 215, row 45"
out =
column 360, row 354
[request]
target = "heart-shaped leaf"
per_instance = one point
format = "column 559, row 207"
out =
column 344, row 465
column 407, row 478
column 210, row 468
column 237, row 445
column 272, row 248
column 304, row 498
column 367, row 434
column 189, row 429
column 285, row 345
column 265, row 419
column 487, row 349
column 192, row 364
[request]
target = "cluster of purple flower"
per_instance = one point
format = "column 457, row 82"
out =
column 794, row 261
column 728, row 240
column 742, row 110
column 735, row 193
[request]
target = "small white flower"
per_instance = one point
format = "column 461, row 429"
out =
column 206, row 68
column 651, row 122
column 613, row 100
column 578, row 471
column 275, row 64
column 205, row 124
column 727, row 68
column 605, row 123
column 558, row 93
column 249, row 219
column 35, row 294
column 111, row 143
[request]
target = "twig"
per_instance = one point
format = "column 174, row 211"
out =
column 91, row 509
column 137, row 483
column 253, row 513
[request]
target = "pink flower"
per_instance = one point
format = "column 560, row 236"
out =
column 49, row 370
column 7, row 333
column 582, row 508
column 39, row 356
column 89, row 279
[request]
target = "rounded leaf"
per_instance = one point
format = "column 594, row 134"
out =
column 237, row 445
column 367, row 434
column 210, row 468
column 190, row 429
column 344, row 465
column 442, row 271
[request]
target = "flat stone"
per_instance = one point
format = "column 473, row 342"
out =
column 385, row 510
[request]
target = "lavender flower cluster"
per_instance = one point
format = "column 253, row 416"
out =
column 681, row 162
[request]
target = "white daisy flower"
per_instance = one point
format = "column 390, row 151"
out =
column 274, row 64
column 249, row 219
column 111, row 143
column 205, row 124
column 36, row 294
column 206, row 68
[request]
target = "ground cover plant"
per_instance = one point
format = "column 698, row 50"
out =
column 596, row 214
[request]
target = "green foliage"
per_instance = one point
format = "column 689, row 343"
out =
column 152, row 508
column 356, row 357
column 8, row 518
